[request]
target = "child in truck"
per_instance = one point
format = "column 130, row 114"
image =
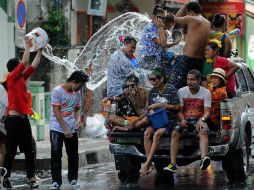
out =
column 217, row 87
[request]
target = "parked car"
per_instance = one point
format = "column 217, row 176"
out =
column 233, row 144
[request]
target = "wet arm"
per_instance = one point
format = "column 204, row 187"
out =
column 37, row 59
column 77, row 113
column 182, row 11
column 227, row 47
column 59, row 117
column 174, row 107
column 162, row 40
column 232, row 69
column 206, row 113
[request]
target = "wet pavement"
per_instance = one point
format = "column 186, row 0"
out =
column 104, row 176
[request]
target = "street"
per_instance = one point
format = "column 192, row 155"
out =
column 104, row 176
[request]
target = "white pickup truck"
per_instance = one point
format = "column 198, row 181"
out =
column 233, row 144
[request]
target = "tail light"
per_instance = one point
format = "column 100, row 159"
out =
column 226, row 118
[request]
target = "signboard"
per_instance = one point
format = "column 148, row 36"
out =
column 97, row 7
column 233, row 12
column 20, row 26
column 251, row 47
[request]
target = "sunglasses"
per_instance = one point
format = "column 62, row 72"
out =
column 160, row 17
column 130, row 85
column 153, row 79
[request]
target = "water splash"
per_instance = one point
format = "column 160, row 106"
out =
column 47, row 52
column 100, row 46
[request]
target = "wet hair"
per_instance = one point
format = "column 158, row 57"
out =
column 157, row 9
column 195, row 7
column 196, row 73
column 78, row 77
column 214, row 46
column 159, row 73
column 169, row 18
column 132, row 78
column 129, row 39
column 12, row 64
column 218, row 21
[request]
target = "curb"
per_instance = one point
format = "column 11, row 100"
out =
column 95, row 155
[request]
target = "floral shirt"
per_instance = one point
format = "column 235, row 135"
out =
column 119, row 68
column 217, row 95
column 148, row 46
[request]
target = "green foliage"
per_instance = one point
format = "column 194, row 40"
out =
column 54, row 26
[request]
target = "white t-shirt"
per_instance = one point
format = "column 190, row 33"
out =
column 193, row 104
column 3, row 107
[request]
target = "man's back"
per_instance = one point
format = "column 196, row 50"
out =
column 197, row 36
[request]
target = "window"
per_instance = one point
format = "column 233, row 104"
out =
column 249, row 78
column 241, row 82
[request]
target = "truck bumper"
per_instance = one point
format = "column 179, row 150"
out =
column 131, row 150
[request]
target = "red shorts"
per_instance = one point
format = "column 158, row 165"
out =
column 2, row 138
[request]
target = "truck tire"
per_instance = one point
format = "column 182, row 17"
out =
column 129, row 169
column 236, row 163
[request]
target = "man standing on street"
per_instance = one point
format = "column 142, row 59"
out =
column 198, row 32
column 195, row 106
column 65, row 105
column 18, row 127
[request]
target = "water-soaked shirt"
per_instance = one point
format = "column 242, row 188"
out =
column 119, row 68
column 68, row 102
column 138, row 99
column 148, row 46
column 168, row 96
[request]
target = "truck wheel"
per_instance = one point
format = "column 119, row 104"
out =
column 129, row 170
column 236, row 163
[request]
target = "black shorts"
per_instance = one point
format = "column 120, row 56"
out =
column 177, row 74
column 2, row 138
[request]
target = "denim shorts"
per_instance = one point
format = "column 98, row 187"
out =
column 191, row 127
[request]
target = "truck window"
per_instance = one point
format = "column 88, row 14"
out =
column 249, row 78
column 241, row 82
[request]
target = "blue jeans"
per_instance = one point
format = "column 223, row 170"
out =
column 71, row 146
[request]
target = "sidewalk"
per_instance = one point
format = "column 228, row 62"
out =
column 91, row 151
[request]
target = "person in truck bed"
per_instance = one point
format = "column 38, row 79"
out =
column 136, row 99
column 162, row 95
column 217, row 87
column 195, row 105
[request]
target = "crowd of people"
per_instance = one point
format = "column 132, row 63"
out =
column 189, row 88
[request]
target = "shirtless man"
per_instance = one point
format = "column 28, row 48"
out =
column 197, row 37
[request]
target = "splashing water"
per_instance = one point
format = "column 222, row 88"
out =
column 99, row 47
column 97, row 50
column 47, row 52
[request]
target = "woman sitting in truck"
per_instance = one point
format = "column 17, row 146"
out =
column 217, row 87
column 215, row 61
column 165, row 96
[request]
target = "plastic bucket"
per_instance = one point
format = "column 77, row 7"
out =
column 159, row 118
column 39, row 39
